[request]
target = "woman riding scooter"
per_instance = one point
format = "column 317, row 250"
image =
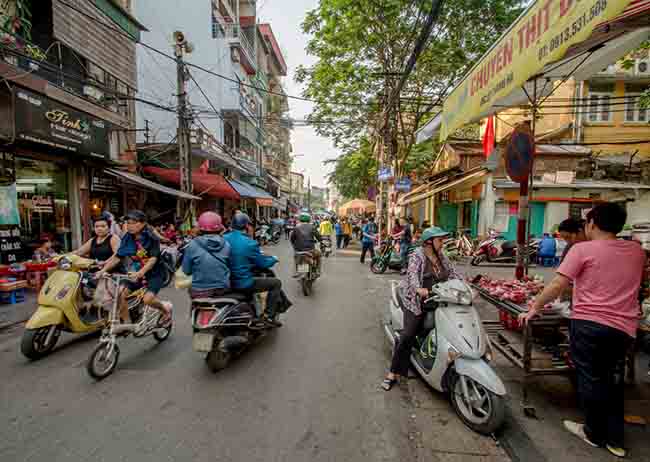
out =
column 104, row 245
column 427, row 267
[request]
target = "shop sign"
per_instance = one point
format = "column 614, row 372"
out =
column 541, row 36
column 44, row 121
column 385, row 174
column 403, row 185
column 11, row 247
column 264, row 202
column 101, row 183
column 43, row 204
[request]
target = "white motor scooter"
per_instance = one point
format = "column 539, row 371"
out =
column 452, row 353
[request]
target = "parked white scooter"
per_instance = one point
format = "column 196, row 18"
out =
column 452, row 353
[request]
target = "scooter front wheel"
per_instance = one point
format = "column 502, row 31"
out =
column 162, row 334
column 378, row 267
column 38, row 342
column 478, row 259
column 481, row 410
column 103, row 360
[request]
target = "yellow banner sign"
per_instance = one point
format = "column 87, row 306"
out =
column 540, row 37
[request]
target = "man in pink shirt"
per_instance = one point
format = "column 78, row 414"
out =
column 606, row 275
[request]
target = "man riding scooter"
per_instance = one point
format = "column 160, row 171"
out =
column 304, row 238
column 245, row 257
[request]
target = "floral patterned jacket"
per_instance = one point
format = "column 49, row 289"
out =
column 414, row 277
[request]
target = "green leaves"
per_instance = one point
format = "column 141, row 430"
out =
column 355, row 172
column 362, row 47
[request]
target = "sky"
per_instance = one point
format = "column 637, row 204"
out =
column 285, row 17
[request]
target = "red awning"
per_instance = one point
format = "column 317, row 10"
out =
column 205, row 184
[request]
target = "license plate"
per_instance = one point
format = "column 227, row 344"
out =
column 303, row 268
column 202, row 342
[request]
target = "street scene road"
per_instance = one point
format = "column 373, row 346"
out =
column 309, row 391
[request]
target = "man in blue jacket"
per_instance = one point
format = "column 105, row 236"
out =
column 245, row 256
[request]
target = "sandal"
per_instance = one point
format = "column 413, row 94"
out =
column 387, row 384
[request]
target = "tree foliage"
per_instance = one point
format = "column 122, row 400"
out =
column 362, row 47
column 355, row 172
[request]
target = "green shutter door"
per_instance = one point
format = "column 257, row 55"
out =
column 448, row 217
column 537, row 212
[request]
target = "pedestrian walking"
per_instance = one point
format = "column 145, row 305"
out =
column 606, row 275
column 347, row 232
column 338, row 230
column 368, row 231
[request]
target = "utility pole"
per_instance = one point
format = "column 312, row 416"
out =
column 309, row 194
column 183, row 133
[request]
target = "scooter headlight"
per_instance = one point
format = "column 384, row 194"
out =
column 64, row 264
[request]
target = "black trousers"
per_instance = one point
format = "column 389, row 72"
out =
column 271, row 285
column 346, row 240
column 339, row 240
column 367, row 247
column 402, row 351
column 598, row 352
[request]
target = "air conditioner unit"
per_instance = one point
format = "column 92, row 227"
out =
column 642, row 67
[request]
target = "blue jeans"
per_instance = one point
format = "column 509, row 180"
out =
column 404, row 254
column 365, row 248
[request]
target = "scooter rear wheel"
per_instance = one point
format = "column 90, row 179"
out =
column 306, row 287
column 217, row 360
column 485, row 412
column 102, row 361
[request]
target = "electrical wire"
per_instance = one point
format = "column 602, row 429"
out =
column 208, row 71
column 78, row 79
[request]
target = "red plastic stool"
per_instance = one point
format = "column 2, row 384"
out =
column 36, row 279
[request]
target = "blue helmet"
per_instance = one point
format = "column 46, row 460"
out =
column 240, row 221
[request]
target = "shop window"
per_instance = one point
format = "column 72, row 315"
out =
column 43, row 204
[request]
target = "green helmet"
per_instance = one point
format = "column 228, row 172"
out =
column 305, row 218
column 433, row 232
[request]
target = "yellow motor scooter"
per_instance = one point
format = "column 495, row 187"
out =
column 64, row 304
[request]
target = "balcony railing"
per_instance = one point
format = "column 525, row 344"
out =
column 236, row 36
column 33, row 60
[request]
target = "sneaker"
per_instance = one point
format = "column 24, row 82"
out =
column 578, row 430
column 615, row 450
column 273, row 322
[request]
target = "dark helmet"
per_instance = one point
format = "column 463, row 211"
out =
column 137, row 215
column 240, row 221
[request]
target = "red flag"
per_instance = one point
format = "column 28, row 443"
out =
column 205, row 166
column 489, row 138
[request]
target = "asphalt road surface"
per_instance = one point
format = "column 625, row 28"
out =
column 308, row 392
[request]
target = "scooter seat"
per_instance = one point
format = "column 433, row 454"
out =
column 227, row 298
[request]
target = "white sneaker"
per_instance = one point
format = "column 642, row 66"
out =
column 578, row 430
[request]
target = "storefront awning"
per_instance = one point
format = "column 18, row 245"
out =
column 205, row 184
column 249, row 191
column 435, row 187
column 549, row 41
column 143, row 182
